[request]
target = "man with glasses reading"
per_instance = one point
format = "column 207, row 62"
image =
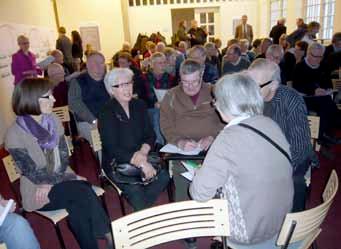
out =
column 286, row 107
column 312, row 82
column 188, row 120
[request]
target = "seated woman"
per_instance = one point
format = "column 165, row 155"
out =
column 36, row 142
column 127, row 137
column 255, row 176
column 188, row 119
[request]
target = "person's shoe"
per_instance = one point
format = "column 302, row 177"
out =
column 191, row 243
column 331, row 139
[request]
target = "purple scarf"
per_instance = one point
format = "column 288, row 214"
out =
column 45, row 132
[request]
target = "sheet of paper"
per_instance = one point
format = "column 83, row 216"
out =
column 44, row 63
column 171, row 148
column 5, row 210
column 160, row 94
column 188, row 175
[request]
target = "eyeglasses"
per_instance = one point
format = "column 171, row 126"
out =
column 316, row 56
column 49, row 96
column 265, row 84
column 193, row 83
column 123, row 85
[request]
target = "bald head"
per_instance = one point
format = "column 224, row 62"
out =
column 58, row 56
column 56, row 73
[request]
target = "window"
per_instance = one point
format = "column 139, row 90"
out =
column 322, row 11
column 278, row 9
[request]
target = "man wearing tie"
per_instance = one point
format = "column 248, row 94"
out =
column 244, row 30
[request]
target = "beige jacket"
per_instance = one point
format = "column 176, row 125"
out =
column 181, row 119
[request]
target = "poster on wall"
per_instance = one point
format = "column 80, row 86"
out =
column 90, row 36
column 42, row 40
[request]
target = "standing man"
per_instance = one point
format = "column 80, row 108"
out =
column 244, row 30
column 198, row 36
column 64, row 44
column 278, row 30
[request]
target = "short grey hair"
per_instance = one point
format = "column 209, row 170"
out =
column 113, row 76
column 274, row 48
column 238, row 95
column 315, row 46
column 209, row 45
column 196, row 49
column 268, row 66
column 190, row 66
column 157, row 55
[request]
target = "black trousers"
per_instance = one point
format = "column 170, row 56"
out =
column 300, row 186
column 326, row 109
column 87, row 217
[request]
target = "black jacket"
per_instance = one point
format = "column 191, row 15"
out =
column 276, row 32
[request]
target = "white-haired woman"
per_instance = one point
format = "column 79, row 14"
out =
column 255, row 176
column 127, row 136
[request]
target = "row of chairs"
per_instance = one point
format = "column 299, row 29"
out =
column 178, row 229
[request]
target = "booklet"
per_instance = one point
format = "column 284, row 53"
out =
column 171, row 148
column 5, row 210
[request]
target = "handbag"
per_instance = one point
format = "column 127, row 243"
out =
column 127, row 173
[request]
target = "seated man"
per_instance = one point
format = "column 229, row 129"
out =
column 16, row 232
column 154, row 80
column 87, row 95
column 233, row 62
column 187, row 118
column 199, row 54
column 70, row 73
column 125, row 60
column 286, row 107
column 56, row 76
column 309, row 80
column 266, row 43
column 213, row 56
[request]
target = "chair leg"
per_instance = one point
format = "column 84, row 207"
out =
column 122, row 205
column 314, row 245
column 60, row 237
column 170, row 191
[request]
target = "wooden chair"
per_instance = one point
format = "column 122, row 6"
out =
column 305, row 226
column 64, row 116
column 170, row 222
column 97, row 147
column 54, row 216
column 336, row 84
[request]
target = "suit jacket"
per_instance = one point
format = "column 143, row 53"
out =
column 240, row 35
column 276, row 32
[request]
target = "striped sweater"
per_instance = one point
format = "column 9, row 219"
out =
column 288, row 109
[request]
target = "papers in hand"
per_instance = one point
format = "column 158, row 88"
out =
column 171, row 148
column 191, row 168
column 5, row 210
column 160, row 94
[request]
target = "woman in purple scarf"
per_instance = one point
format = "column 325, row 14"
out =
column 24, row 62
column 37, row 144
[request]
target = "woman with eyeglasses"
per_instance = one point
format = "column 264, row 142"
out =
column 37, row 144
column 127, row 137
column 24, row 61
column 250, row 162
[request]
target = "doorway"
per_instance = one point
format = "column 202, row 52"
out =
column 181, row 14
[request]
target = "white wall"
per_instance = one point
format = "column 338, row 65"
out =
column 150, row 19
column 107, row 14
column 33, row 12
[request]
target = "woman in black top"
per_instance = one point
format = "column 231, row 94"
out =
column 77, row 48
column 127, row 136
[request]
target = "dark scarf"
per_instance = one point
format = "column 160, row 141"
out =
column 45, row 132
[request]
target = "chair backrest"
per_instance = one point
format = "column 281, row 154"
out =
column 96, row 140
column 336, row 84
column 314, row 124
column 62, row 113
column 11, row 169
column 170, row 222
column 305, row 225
